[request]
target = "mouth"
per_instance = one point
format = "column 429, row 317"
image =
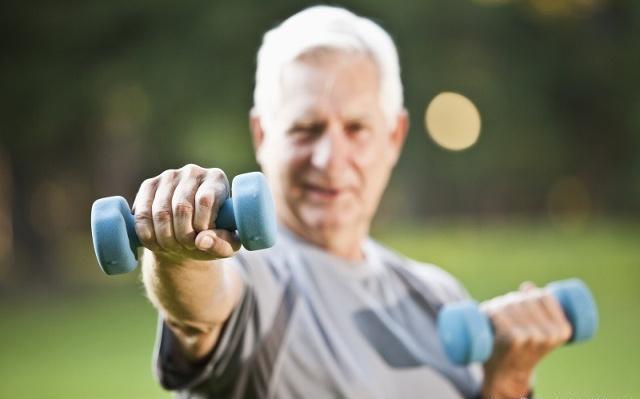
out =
column 322, row 193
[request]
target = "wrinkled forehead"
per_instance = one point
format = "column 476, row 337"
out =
column 329, row 80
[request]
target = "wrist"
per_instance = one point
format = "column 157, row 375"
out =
column 507, row 385
column 164, row 259
column 167, row 263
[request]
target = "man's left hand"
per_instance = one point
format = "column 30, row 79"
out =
column 528, row 324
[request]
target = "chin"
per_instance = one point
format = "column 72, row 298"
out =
column 328, row 220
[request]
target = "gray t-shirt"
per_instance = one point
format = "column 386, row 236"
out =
column 312, row 325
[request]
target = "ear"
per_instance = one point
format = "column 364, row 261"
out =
column 257, row 134
column 399, row 135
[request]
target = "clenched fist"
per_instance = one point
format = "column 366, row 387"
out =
column 175, row 214
column 528, row 324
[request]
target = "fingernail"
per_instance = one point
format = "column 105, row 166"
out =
column 206, row 242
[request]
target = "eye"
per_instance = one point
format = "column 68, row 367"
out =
column 308, row 129
column 355, row 128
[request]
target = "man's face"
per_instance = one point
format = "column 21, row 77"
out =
column 329, row 152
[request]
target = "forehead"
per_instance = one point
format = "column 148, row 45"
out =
column 330, row 81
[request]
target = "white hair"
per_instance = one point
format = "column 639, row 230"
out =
column 332, row 28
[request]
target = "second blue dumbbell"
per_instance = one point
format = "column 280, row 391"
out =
column 250, row 211
column 467, row 334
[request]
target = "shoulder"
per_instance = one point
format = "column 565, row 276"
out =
column 437, row 280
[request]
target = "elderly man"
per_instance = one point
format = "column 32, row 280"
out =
column 327, row 312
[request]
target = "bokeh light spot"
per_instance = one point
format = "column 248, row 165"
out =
column 453, row 121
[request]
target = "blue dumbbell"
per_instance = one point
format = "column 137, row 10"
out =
column 250, row 211
column 467, row 334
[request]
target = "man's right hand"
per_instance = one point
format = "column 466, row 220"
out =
column 175, row 215
column 195, row 293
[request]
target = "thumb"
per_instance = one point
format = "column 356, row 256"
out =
column 205, row 240
column 220, row 243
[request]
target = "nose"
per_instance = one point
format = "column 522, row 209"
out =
column 330, row 151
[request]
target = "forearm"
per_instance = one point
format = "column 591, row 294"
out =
column 509, row 387
column 195, row 297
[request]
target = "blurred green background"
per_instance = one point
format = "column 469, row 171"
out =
column 97, row 96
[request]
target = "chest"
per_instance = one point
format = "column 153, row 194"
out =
column 364, row 344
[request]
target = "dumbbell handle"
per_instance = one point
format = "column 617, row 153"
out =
column 467, row 334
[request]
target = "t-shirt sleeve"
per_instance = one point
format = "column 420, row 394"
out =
column 441, row 283
column 219, row 367
column 222, row 370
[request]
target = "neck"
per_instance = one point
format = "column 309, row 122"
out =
column 345, row 242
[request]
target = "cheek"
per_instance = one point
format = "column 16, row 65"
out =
column 292, row 163
column 372, row 161
column 374, row 166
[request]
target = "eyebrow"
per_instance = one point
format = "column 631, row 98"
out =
column 311, row 114
column 314, row 118
column 359, row 117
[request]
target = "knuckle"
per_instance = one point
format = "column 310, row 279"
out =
column 221, row 190
column 538, row 340
column 143, row 216
column 522, row 299
column 168, row 174
column 183, row 208
column 216, row 172
column 205, row 199
column 190, row 166
column 192, row 169
column 537, row 295
column 162, row 215
column 515, row 338
column 148, row 182
column 218, row 175
column 519, row 341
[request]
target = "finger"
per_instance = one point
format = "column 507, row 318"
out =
column 496, row 309
column 555, row 313
column 538, row 323
column 143, row 214
column 221, row 243
column 509, row 334
column 515, row 324
column 162, row 212
column 498, row 303
column 527, row 286
column 183, row 207
column 208, row 199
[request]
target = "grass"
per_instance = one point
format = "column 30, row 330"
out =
column 88, row 346
column 98, row 345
